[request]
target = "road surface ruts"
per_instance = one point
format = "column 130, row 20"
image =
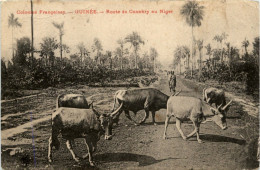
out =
column 142, row 147
column 146, row 143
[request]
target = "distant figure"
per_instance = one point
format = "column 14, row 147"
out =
column 172, row 82
column 168, row 77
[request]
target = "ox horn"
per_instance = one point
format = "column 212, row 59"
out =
column 220, row 106
column 176, row 94
column 225, row 107
column 115, row 112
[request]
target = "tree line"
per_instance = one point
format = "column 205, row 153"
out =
column 26, row 71
column 222, row 63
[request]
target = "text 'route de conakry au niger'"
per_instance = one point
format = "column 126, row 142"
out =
column 92, row 11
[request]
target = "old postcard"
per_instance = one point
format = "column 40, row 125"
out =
column 129, row 84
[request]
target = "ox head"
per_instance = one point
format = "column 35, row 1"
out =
column 106, row 122
column 220, row 115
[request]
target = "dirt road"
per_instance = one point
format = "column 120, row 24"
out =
column 139, row 147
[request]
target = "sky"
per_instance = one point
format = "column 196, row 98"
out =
column 164, row 32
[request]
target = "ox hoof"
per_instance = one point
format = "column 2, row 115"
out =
column 184, row 138
column 92, row 163
column 50, row 161
column 77, row 159
column 142, row 122
column 137, row 124
column 165, row 138
column 200, row 141
column 155, row 124
column 85, row 156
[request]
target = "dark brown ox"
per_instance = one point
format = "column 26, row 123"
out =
column 73, row 101
column 149, row 99
column 74, row 123
column 185, row 108
column 214, row 96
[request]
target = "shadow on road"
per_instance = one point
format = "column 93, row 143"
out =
column 143, row 160
column 218, row 138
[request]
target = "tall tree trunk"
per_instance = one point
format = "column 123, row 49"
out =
column 135, row 57
column 192, row 39
column 154, row 69
column 32, row 31
column 122, row 53
column 13, row 42
column 221, row 54
column 180, row 67
column 200, row 64
column 229, row 57
column 61, row 47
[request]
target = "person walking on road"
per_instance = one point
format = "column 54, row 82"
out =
column 172, row 82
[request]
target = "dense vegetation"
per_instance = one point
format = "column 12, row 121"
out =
column 224, row 63
column 48, row 66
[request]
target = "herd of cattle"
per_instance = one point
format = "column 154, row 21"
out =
column 75, row 118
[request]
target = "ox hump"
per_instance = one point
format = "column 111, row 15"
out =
column 70, row 96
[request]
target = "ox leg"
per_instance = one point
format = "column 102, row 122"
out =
column 145, row 117
column 168, row 117
column 192, row 133
column 53, row 141
column 90, row 151
column 178, row 125
column 129, row 117
column 197, row 128
column 153, row 117
column 69, row 146
column 116, row 119
column 50, row 150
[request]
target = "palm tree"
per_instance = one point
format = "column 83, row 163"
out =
column 135, row 40
column 245, row 44
column 65, row 49
column 228, row 53
column 209, row 50
column 48, row 46
column 146, row 59
column 97, row 46
column 121, row 43
column 82, row 50
column 14, row 23
column 181, row 52
column 193, row 14
column 32, row 30
column 61, row 33
column 200, row 46
column 220, row 38
column 153, row 55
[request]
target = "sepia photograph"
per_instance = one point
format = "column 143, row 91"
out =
column 130, row 84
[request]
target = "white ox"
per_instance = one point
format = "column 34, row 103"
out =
column 184, row 108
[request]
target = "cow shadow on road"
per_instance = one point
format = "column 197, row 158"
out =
column 218, row 138
column 143, row 160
